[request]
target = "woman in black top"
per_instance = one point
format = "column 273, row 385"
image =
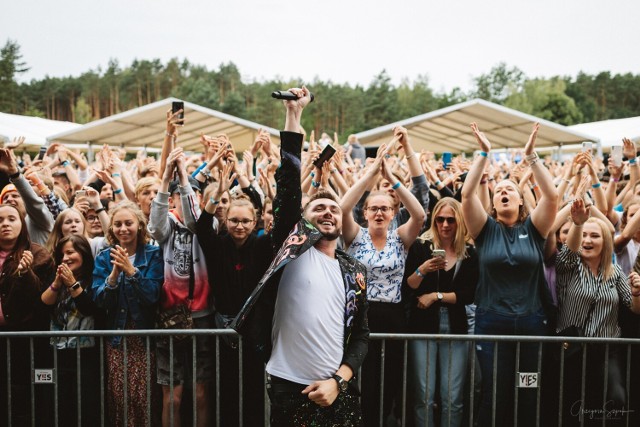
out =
column 441, row 286
column 235, row 261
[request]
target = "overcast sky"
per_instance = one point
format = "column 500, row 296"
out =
column 339, row 40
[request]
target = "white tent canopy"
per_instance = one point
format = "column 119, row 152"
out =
column 34, row 129
column 144, row 128
column 611, row 132
column 448, row 129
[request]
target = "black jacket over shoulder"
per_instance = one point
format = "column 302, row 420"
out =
column 291, row 237
column 465, row 280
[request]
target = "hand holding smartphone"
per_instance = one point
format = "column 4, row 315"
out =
column 325, row 156
column 175, row 107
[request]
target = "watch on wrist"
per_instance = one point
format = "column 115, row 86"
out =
column 342, row 384
column 75, row 286
column 440, row 296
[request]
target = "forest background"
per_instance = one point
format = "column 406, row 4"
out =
column 340, row 107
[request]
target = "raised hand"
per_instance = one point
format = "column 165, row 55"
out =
column 579, row 212
column 531, row 143
column 484, row 143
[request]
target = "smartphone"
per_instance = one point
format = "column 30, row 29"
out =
column 81, row 193
column 587, row 146
column 438, row 253
column 42, row 152
column 177, row 106
column 446, row 159
column 325, row 156
column 616, row 155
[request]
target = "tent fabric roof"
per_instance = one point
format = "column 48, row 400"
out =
column 448, row 129
column 611, row 132
column 34, row 129
column 144, row 127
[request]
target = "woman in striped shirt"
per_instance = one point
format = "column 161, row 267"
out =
column 590, row 289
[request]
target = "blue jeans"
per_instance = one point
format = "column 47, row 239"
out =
column 426, row 359
column 491, row 323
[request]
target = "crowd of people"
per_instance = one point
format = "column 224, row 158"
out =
column 304, row 260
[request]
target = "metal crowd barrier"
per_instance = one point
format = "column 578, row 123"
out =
column 46, row 376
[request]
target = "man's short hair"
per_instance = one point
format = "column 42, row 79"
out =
column 322, row 194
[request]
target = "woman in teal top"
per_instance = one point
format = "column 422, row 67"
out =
column 511, row 286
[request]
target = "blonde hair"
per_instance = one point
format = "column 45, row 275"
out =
column 143, row 234
column 144, row 183
column 241, row 201
column 462, row 236
column 606, row 255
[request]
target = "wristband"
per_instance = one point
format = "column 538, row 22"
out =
column 410, row 156
column 632, row 161
column 99, row 210
column 484, row 181
column 312, row 174
column 213, row 201
column 315, row 184
column 418, row 273
column 172, row 135
column 14, row 176
column 484, row 154
column 115, row 174
column 118, row 191
column 438, row 182
column 615, row 179
column 396, row 185
column 53, row 289
column 197, row 171
column 596, row 185
column 65, row 163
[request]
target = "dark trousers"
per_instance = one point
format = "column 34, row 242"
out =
column 491, row 323
column 291, row 408
column 383, row 318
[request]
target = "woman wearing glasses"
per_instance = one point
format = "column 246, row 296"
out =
column 384, row 252
column 442, row 269
column 235, row 262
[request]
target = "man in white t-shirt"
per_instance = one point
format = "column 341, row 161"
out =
column 308, row 314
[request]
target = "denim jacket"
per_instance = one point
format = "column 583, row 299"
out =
column 136, row 296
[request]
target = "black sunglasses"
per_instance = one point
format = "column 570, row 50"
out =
column 442, row 219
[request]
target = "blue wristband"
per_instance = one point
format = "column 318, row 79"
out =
column 115, row 174
column 596, row 185
column 315, row 184
column 197, row 171
column 418, row 273
column 213, row 201
column 396, row 185
column 65, row 163
column 118, row 191
column 632, row 161
column 484, row 154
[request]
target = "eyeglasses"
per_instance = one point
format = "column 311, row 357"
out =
column 375, row 209
column 92, row 218
column 236, row 221
column 442, row 219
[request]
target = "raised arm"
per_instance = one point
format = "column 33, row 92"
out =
column 410, row 229
column 350, row 227
column 544, row 213
column 579, row 214
column 475, row 216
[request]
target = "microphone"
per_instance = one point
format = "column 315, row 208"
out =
column 285, row 94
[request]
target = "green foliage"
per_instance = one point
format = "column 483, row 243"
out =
column 340, row 108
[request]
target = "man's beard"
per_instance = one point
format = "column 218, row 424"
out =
column 331, row 236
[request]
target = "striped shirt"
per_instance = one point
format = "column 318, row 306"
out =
column 589, row 301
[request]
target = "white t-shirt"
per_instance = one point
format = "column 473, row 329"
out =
column 308, row 323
